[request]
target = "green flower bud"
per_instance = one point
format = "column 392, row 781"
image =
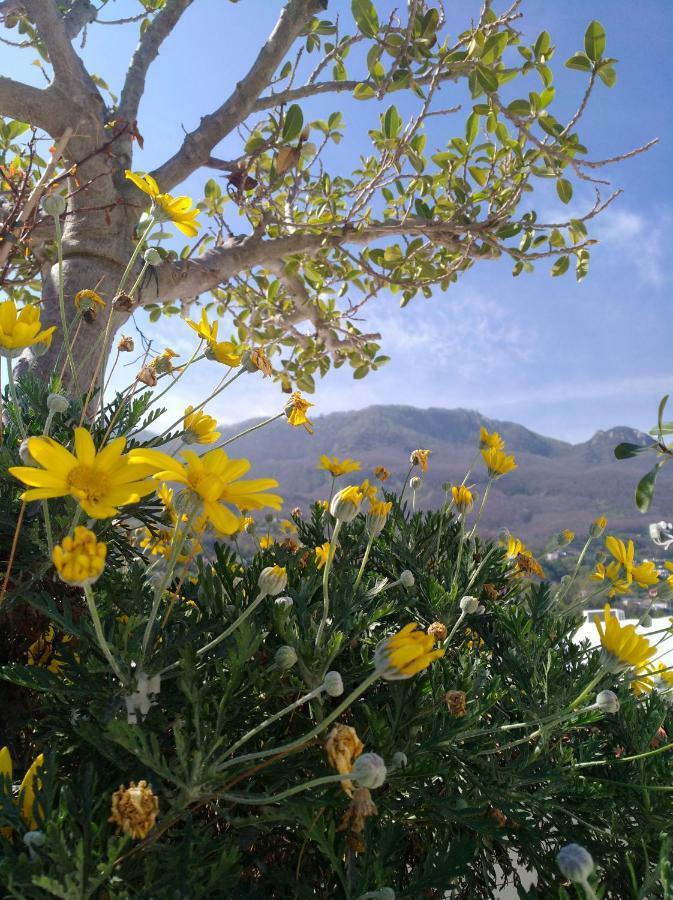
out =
column 407, row 579
column 285, row 657
column 333, row 684
column 57, row 403
column 152, row 256
column 54, row 204
column 272, row 580
column 607, row 702
column 575, row 863
column 369, row 770
column 469, row 605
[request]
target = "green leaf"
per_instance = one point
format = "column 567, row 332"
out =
column 580, row 62
column 392, row 122
column 542, row 44
column 607, row 75
column 560, row 267
column 660, row 412
column 294, row 122
column 564, row 189
column 471, row 127
column 628, row 451
column 363, row 91
column 365, row 16
column 519, row 108
column 487, row 79
column 594, row 41
column 645, row 488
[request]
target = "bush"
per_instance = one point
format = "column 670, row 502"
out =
column 222, row 759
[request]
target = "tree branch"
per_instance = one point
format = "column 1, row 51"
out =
column 145, row 53
column 82, row 13
column 68, row 68
column 27, row 104
column 198, row 145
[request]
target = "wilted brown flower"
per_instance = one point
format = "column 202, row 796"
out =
column 123, row 302
column 529, row 565
column 354, row 819
column 148, row 376
column 498, row 817
column 260, row 361
column 381, row 473
column 456, row 701
column 343, row 747
column 420, row 458
column 126, row 344
column 438, row 630
column 134, row 809
column 491, row 591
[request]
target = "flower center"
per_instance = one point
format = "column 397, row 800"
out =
column 206, row 485
column 87, row 483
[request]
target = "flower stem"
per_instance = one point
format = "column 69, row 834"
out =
column 365, row 558
column 134, row 256
column 455, row 627
column 15, row 399
column 276, row 798
column 481, row 507
column 61, row 302
column 250, row 430
column 178, row 542
column 98, row 628
column 325, row 583
column 592, row 684
column 298, row 742
column 279, row 715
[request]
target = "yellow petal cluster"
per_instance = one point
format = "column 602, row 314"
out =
column 404, row 654
column 296, row 410
column 490, row 440
column 337, row 467
column 177, row 209
column 199, row 427
column 321, row 553
column 21, row 328
column 87, row 300
column 80, row 559
column 214, row 481
column 420, row 458
column 29, row 787
column 622, row 572
column 43, row 653
column 623, row 647
column 497, row 462
column 134, row 809
column 225, row 352
column 462, row 497
column 101, row 481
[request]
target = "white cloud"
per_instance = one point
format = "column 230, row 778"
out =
column 639, row 239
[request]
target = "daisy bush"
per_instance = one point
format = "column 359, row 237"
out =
column 205, row 695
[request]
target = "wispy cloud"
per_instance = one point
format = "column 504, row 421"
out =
column 640, row 239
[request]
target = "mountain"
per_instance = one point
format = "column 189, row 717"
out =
column 557, row 484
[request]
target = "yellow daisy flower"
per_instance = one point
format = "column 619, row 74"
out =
column 266, row 541
column 497, row 462
column 462, row 497
column 101, row 481
column 177, row 209
column 213, row 480
column 20, row 329
column 490, row 440
column 623, row 647
column 321, row 554
column 336, row 466
column 199, row 427
column 87, row 300
column 405, row 653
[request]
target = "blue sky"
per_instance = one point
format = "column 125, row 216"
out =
column 561, row 358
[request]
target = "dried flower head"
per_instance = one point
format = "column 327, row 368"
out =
column 147, row 376
column 134, row 809
column 354, row 819
column 126, row 344
column 456, row 702
column 420, row 458
column 438, row 630
column 343, row 746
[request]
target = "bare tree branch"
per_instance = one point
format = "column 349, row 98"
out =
column 68, row 68
column 82, row 13
column 145, row 53
column 198, row 145
column 28, row 104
